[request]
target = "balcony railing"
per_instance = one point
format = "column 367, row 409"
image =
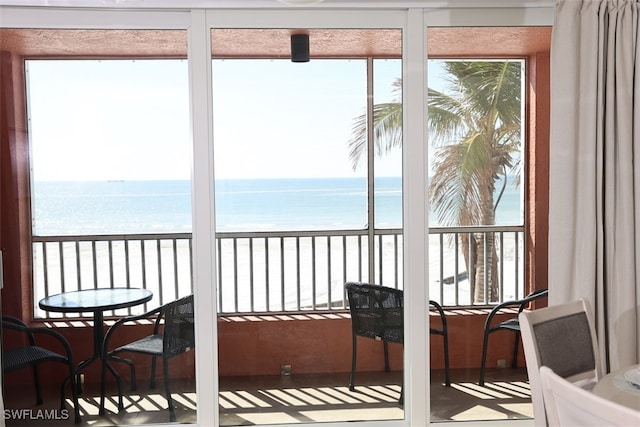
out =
column 267, row 272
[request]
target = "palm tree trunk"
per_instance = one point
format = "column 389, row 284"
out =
column 486, row 265
column 478, row 295
column 470, row 254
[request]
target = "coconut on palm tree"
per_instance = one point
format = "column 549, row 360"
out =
column 475, row 128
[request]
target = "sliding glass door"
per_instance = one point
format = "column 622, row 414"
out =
column 97, row 106
column 304, row 203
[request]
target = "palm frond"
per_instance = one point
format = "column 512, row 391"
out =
column 475, row 127
column 445, row 118
column 387, row 132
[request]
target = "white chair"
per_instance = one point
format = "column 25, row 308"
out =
column 563, row 338
column 568, row 405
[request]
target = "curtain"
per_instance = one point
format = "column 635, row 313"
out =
column 594, row 176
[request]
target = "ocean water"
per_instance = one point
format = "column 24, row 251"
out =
column 123, row 207
column 111, row 207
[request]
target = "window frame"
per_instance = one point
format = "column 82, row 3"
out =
column 198, row 23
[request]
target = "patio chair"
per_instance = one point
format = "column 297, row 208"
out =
column 563, row 338
column 32, row 355
column 176, row 337
column 377, row 312
column 511, row 324
column 569, row 405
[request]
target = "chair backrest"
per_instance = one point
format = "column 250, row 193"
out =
column 563, row 338
column 570, row 405
column 533, row 296
column 376, row 311
column 178, row 334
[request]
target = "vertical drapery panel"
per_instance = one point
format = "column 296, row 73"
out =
column 594, row 191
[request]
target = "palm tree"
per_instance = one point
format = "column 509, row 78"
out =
column 475, row 130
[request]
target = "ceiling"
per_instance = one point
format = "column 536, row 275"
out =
column 270, row 4
column 275, row 43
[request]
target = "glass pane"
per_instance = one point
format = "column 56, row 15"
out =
column 292, row 228
column 475, row 178
column 478, row 117
column 110, row 155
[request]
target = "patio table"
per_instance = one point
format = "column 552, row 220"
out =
column 96, row 301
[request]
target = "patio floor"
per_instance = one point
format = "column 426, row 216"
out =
column 301, row 398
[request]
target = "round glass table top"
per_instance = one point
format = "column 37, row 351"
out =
column 95, row 299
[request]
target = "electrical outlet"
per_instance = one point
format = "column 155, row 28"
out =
column 285, row 370
column 502, row 363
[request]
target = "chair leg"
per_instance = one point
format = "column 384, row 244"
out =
column 78, row 383
column 74, row 395
column 62, row 387
column 401, row 399
column 386, row 357
column 119, row 382
column 484, row 356
column 152, row 383
column 165, row 369
column 36, row 381
column 445, row 340
column 447, row 375
column 132, row 369
column 64, row 382
column 514, row 360
column 352, row 380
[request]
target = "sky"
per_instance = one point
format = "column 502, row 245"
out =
column 297, row 117
column 108, row 120
column 129, row 119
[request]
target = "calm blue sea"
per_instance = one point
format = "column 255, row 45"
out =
column 121, row 207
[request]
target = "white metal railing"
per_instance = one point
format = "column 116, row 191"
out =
column 267, row 272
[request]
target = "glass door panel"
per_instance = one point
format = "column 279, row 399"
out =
column 481, row 82
column 293, row 224
column 109, row 154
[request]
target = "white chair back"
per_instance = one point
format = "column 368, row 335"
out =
column 563, row 338
column 568, row 405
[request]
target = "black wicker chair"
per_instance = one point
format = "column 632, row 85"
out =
column 377, row 312
column 176, row 337
column 511, row 324
column 32, row 355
